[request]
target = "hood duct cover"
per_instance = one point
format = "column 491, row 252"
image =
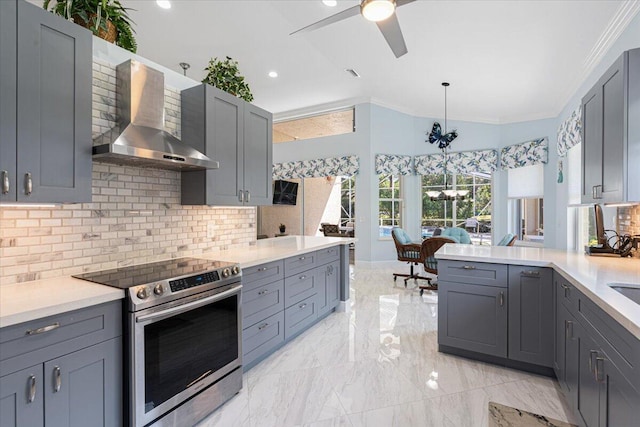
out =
column 139, row 139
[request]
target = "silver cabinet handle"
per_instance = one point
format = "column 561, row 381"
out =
column 241, row 196
column 5, row 182
column 302, row 277
column 43, row 329
column 262, row 292
column 302, row 305
column 593, row 192
column 591, row 354
column 262, row 269
column 57, row 379
column 598, row 370
column 569, row 329
column 248, row 196
column 530, row 273
column 261, row 327
column 564, row 286
column 28, row 184
column 330, row 269
column 301, row 258
column 468, row 267
column 32, row 389
column 597, row 191
column 501, row 299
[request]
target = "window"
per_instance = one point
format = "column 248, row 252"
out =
column 389, row 203
column 472, row 213
column 325, row 124
column 526, row 207
column 348, row 201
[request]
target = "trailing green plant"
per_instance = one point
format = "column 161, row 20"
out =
column 96, row 15
column 225, row 75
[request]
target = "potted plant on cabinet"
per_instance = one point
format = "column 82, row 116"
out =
column 283, row 228
column 225, row 75
column 107, row 19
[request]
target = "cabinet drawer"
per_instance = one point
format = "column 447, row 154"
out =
column 261, row 338
column 262, row 302
column 299, row 287
column 299, row 263
column 328, row 255
column 566, row 294
column 476, row 273
column 253, row 277
column 299, row 316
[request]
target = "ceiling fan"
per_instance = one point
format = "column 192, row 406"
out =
column 382, row 12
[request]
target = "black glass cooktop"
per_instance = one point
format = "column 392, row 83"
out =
column 126, row 277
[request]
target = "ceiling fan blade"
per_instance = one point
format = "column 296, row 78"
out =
column 390, row 29
column 347, row 13
column 403, row 2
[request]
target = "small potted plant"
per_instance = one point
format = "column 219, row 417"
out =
column 107, row 19
column 225, row 75
column 283, row 228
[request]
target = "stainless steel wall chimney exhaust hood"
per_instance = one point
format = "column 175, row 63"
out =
column 139, row 138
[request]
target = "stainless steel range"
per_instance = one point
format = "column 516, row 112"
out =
column 182, row 339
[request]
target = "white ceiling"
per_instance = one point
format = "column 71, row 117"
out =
column 507, row 61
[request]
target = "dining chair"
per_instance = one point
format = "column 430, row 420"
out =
column 409, row 252
column 430, row 262
column 458, row 234
column 508, row 240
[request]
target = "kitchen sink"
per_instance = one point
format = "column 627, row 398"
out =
column 629, row 290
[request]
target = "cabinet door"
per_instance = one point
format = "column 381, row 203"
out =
column 472, row 317
column 84, row 388
column 531, row 315
column 8, row 45
column 591, row 143
column 613, row 121
column 224, row 136
column 21, row 397
column 333, row 285
column 258, row 154
column 566, row 354
column 620, row 406
column 53, row 108
column 588, row 392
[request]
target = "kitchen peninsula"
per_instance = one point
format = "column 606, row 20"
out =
column 547, row 311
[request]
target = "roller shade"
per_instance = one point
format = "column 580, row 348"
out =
column 526, row 182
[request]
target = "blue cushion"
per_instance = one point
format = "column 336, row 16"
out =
column 505, row 240
column 401, row 236
column 460, row 235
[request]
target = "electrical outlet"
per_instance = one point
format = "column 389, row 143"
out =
column 211, row 231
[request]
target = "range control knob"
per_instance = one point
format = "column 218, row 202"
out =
column 235, row 270
column 225, row 272
column 142, row 293
column 158, row 289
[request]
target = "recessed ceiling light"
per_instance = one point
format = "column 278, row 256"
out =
column 165, row 4
column 273, row 74
column 330, row 3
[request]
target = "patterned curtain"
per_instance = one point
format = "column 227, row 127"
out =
column 429, row 164
column 570, row 132
column 393, row 164
column 317, row 168
column 463, row 162
column 525, row 154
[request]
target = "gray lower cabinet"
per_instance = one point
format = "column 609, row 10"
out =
column 45, row 106
column 262, row 338
column 472, row 317
column 531, row 315
column 236, row 134
column 328, row 277
column 64, row 370
column 300, row 316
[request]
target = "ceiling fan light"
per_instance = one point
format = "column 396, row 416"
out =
column 377, row 10
column 433, row 194
column 450, row 193
column 463, row 193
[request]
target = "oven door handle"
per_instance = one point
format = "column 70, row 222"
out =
column 188, row 306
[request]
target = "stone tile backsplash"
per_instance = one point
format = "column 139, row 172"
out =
column 629, row 220
column 135, row 215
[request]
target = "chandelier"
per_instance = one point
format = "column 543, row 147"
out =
column 444, row 139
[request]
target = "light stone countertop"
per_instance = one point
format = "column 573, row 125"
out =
column 589, row 274
column 276, row 248
column 22, row 302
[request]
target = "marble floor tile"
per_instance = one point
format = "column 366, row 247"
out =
column 378, row 365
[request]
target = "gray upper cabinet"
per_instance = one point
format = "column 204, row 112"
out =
column 45, row 106
column 611, row 142
column 236, row 134
column 531, row 315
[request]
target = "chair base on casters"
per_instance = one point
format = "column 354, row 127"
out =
column 409, row 276
column 429, row 287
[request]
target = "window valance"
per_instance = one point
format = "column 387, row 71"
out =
column 525, row 154
column 463, row 162
column 332, row 166
column 394, row 164
column 570, row 132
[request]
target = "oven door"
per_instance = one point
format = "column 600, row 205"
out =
column 179, row 348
